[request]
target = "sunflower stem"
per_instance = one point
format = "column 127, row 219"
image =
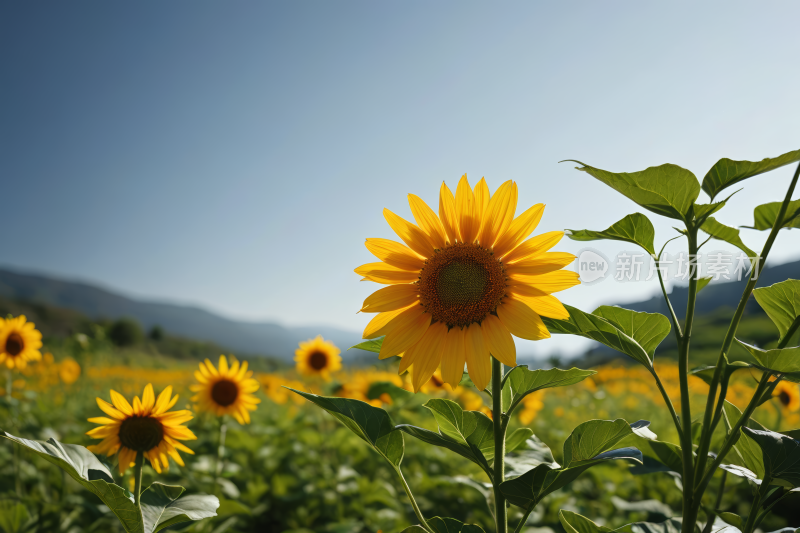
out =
column 500, row 513
column 422, row 522
column 218, row 460
column 137, row 473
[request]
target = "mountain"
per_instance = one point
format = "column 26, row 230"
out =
column 254, row 338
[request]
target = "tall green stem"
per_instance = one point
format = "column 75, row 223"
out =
column 713, row 513
column 709, row 424
column 217, row 471
column 689, row 509
column 501, row 515
column 422, row 522
column 137, row 473
column 751, row 518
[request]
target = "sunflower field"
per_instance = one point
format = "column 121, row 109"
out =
column 443, row 431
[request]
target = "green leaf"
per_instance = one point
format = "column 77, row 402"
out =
column 781, row 455
column 517, row 439
column 162, row 507
column 533, row 453
column 589, row 444
column 781, row 302
column 782, row 360
column 665, row 454
column 727, row 172
column 667, row 190
column 764, row 215
column 13, row 516
column 451, row 525
column 82, row 466
column 733, row 519
column 635, row 228
column 702, row 282
column 414, row 529
column 746, row 452
column 726, row 233
column 372, row 424
column 372, row 345
column 575, row 523
column 519, row 382
column 379, row 388
column 647, row 329
column 468, row 433
column 601, row 330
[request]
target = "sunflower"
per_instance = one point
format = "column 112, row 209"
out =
column 464, row 283
column 788, row 395
column 19, row 342
column 227, row 390
column 147, row 427
column 318, row 357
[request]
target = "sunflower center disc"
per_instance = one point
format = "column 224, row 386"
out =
column 141, row 433
column 784, row 398
column 318, row 360
column 461, row 284
column 224, row 392
column 14, row 344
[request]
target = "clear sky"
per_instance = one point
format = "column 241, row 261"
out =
column 236, row 154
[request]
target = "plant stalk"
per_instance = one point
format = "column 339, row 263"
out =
column 422, row 522
column 708, row 424
column 689, row 507
column 751, row 518
column 501, row 514
column 713, row 514
column 137, row 472
column 223, row 431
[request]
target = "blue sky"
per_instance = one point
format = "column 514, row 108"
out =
column 235, row 155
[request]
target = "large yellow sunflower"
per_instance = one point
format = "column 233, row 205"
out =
column 788, row 395
column 19, row 342
column 227, row 390
column 464, row 283
column 146, row 427
column 318, row 357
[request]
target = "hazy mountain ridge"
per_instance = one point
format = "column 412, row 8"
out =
column 263, row 338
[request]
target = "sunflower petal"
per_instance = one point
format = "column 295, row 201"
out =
column 377, row 326
column 501, row 344
column 404, row 335
column 453, row 357
column 466, row 211
column 479, row 364
column 542, row 264
column 533, row 247
column 148, row 398
column 482, row 196
column 547, row 283
column 447, row 214
column 521, row 320
column 520, row 228
column 415, row 238
column 395, row 254
column 427, row 354
column 547, row 305
column 121, row 403
column 386, row 274
column 391, row 298
column 496, row 214
column 427, row 221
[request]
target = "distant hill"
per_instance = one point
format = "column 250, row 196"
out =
column 259, row 338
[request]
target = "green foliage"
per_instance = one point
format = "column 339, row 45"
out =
column 371, row 424
column 725, row 233
column 780, row 454
column 14, row 517
column 635, row 228
column 764, row 216
column 727, row 172
column 667, row 190
column 125, row 332
column 372, row 345
column 781, row 302
column 632, row 333
column 161, row 504
column 781, row 360
column 519, row 382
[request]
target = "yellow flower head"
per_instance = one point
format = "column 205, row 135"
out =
column 19, row 342
column 69, row 371
column 148, row 427
column 227, row 390
column 464, row 282
column 788, row 395
column 318, row 357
